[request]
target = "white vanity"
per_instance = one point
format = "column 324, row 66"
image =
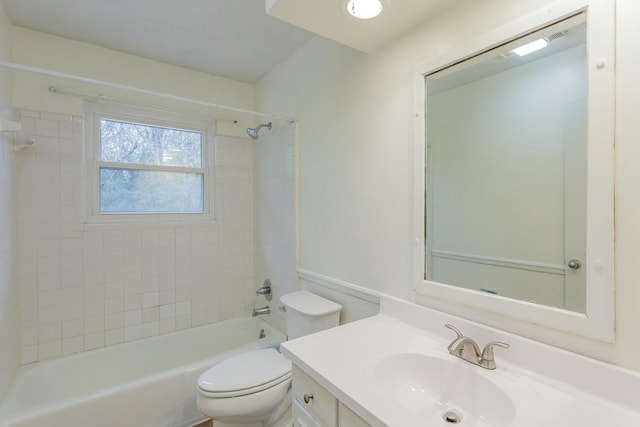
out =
column 315, row 406
column 393, row 369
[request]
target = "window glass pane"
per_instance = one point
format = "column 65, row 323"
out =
column 142, row 191
column 123, row 142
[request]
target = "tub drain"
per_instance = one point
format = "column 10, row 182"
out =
column 451, row 418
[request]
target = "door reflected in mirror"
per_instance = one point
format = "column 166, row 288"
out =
column 506, row 165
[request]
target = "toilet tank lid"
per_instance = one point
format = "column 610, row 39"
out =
column 309, row 304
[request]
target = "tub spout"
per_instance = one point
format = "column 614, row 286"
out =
column 261, row 310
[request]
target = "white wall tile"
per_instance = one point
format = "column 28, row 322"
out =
column 150, row 329
column 150, row 314
column 113, row 321
column 65, row 129
column 167, row 311
column 49, row 298
column 29, row 354
column 29, row 336
column 94, row 308
column 167, row 296
column 198, row 318
column 114, row 336
column 50, row 332
column 49, row 350
column 93, row 324
column 183, row 308
column 132, row 302
column 183, row 322
column 133, row 317
column 133, row 332
column 50, row 315
column 86, row 288
column 47, row 128
column 72, row 328
column 114, row 290
column 72, row 311
column 114, row 305
column 72, row 345
column 167, row 325
column 94, row 340
column 150, row 299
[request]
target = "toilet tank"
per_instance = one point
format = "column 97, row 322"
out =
column 306, row 313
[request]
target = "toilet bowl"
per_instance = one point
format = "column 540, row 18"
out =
column 246, row 390
column 253, row 389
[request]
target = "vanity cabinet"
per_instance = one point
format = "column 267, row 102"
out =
column 348, row 418
column 315, row 406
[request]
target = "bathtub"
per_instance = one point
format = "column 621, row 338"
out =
column 145, row 383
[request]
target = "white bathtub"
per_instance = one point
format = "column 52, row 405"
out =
column 145, row 383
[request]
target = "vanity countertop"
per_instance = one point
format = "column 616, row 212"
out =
column 393, row 369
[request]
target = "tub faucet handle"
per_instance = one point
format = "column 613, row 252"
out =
column 265, row 290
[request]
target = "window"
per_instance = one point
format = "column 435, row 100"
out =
column 146, row 163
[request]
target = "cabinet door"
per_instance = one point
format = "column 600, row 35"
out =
column 301, row 418
column 348, row 418
column 314, row 398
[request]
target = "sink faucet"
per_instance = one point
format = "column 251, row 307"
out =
column 466, row 349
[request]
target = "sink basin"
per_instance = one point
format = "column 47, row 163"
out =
column 443, row 391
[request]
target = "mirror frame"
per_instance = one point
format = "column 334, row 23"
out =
column 598, row 321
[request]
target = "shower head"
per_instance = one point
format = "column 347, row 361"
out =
column 253, row 132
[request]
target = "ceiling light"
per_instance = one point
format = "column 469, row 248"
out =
column 364, row 9
column 530, row 47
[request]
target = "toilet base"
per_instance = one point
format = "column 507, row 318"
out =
column 284, row 421
column 221, row 424
column 263, row 409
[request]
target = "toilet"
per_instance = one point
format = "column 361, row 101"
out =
column 253, row 389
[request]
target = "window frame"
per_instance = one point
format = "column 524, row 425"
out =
column 146, row 116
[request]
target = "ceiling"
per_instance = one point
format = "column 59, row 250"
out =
column 230, row 38
column 330, row 19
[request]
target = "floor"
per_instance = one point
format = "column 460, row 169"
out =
column 207, row 423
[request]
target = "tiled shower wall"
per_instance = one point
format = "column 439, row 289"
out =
column 275, row 214
column 84, row 287
column 8, row 287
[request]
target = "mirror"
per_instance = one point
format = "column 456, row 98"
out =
column 514, row 175
column 506, row 169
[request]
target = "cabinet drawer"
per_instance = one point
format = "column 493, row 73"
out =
column 322, row 405
column 348, row 418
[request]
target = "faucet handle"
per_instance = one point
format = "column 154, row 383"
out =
column 454, row 329
column 487, row 354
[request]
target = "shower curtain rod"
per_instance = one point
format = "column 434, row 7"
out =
column 50, row 73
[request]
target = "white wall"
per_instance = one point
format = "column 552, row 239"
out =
column 356, row 168
column 84, row 287
column 9, row 348
column 31, row 91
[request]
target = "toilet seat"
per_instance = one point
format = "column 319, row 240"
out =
column 244, row 374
